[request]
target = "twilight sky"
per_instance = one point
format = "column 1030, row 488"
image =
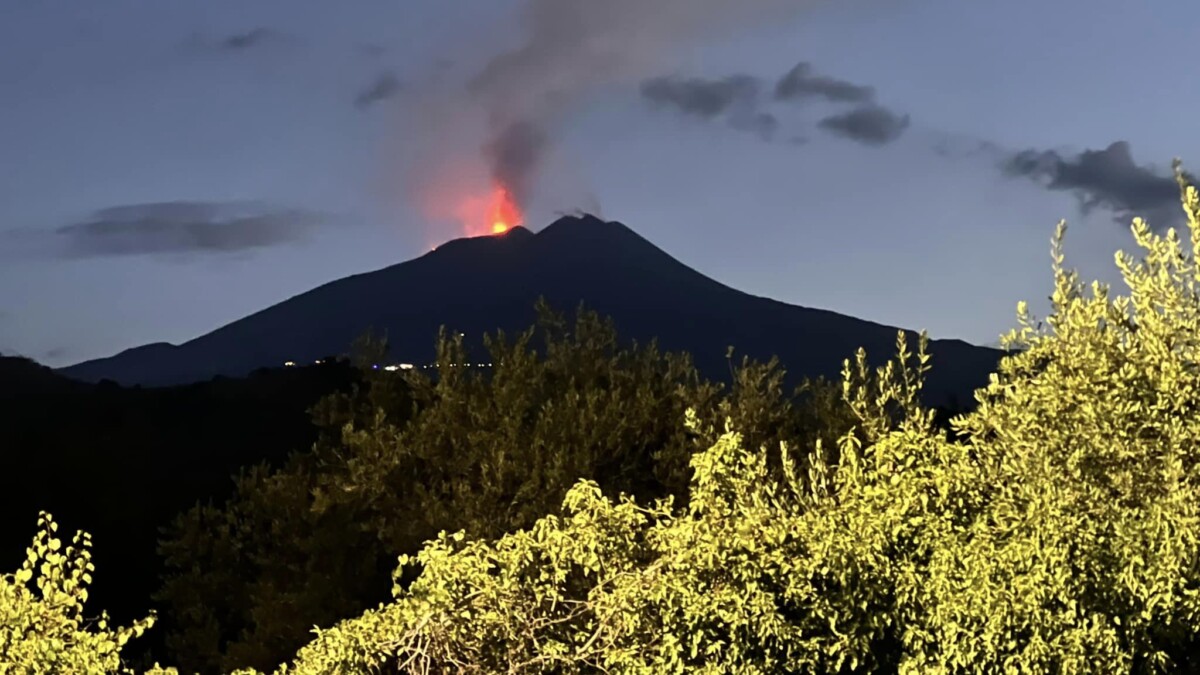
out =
column 168, row 167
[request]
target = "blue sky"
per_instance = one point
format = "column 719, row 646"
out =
column 168, row 167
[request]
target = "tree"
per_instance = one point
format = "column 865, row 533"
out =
column 44, row 630
column 487, row 451
column 244, row 579
column 1058, row 532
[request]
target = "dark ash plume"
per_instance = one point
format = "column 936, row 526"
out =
column 701, row 97
column 869, row 125
column 574, row 47
column 734, row 98
column 1106, row 178
column 800, row 83
column 513, row 156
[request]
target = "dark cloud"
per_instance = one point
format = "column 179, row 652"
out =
column 382, row 88
column 734, row 98
column 248, row 39
column 738, row 100
column 800, row 82
column 574, row 48
column 1106, row 178
column 184, row 227
column 870, row 125
column 700, row 97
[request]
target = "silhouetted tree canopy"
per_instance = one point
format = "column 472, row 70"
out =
column 1058, row 531
column 485, row 450
column 124, row 461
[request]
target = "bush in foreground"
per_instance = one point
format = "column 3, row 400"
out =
column 486, row 451
column 43, row 629
column 1059, row 532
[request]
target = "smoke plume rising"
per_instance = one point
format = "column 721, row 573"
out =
column 569, row 50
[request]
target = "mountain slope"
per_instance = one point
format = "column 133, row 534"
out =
column 481, row 284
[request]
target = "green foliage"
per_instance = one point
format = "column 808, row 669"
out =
column 1086, row 444
column 487, row 451
column 728, row 584
column 1060, row 532
column 43, row 630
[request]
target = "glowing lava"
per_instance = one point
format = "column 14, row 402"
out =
column 503, row 212
column 481, row 208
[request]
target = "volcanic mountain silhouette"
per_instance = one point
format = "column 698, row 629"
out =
column 482, row 284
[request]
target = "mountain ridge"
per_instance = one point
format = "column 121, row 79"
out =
column 481, row 284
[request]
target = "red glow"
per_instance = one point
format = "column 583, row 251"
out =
column 494, row 213
column 504, row 213
column 458, row 190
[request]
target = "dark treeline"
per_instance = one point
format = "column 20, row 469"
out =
column 282, row 500
column 120, row 462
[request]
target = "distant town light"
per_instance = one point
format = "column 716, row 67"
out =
column 406, row 366
column 288, row 364
column 391, row 369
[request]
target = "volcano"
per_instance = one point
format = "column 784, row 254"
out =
column 481, row 284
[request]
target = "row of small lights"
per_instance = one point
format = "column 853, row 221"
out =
column 403, row 366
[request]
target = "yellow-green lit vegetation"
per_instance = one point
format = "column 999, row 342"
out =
column 42, row 624
column 316, row 541
column 1058, row 531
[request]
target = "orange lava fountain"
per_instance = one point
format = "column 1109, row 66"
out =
column 480, row 207
column 503, row 212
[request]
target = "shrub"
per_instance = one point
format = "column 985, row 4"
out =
column 484, row 451
column 1059, row 532
column 43, row 629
